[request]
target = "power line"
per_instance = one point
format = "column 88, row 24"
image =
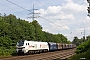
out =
column 18, row 5
column 10, row 8
column 41, row 3
column 33, row 11
column 51, row 22
column 49, row 10
column 52, row 13
column 56, row 16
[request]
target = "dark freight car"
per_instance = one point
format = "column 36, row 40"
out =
column 52, row 46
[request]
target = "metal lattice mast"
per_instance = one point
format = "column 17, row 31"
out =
column 33, row 13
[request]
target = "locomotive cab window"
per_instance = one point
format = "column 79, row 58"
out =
column 20, row 43
column 26, row 43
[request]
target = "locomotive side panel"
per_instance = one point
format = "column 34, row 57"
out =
column 42, row 45
column 32, row 46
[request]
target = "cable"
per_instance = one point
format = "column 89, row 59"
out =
column 49, row 10
column 52, row 13
column 52, row 22
column 18, row 5
column 10, row 8
column 30, row 11
column 57, row 17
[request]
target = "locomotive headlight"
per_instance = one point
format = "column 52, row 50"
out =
column 16, row 50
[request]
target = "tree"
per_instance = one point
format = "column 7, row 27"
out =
column 88, row 8
column 88, row 38
column 38, row 31
column 75, row 40
column 78, row 41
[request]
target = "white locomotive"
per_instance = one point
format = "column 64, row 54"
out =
column 31, row 47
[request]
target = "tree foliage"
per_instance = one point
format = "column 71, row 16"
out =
column 82, row 44
column 78, row 41
column 83, row 47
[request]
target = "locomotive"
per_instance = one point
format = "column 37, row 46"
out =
column 27, row 47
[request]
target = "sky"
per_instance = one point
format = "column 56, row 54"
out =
column 67, row 17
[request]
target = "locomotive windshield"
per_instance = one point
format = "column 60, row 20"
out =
column 20, row 43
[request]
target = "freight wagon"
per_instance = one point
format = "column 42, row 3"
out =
column 59, row 46
column 52, row 46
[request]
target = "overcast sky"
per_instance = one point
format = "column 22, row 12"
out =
column 67, row 17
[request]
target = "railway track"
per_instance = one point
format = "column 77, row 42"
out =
column 60, row 55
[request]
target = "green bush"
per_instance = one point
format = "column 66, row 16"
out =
column 81, row 56
column 83, row 47
column 7, row 52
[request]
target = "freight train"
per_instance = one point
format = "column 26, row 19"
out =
column 28, row 47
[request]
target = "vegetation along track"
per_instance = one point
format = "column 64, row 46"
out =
column 62, row 54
